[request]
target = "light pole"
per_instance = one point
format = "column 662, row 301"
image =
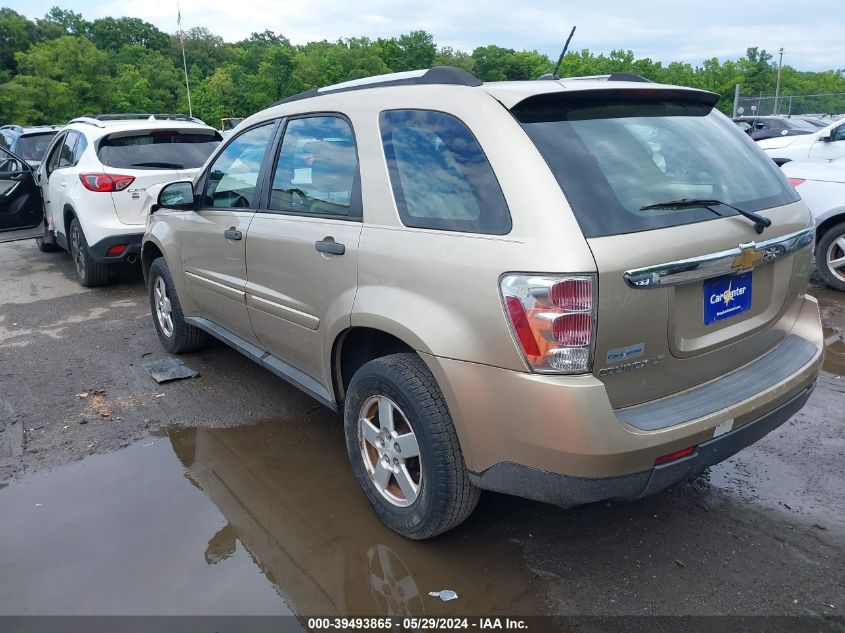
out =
column 777, row 85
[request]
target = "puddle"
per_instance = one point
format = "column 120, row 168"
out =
column 234, row 521
column 832, row 305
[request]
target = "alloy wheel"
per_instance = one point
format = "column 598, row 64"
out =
column 77, row 249
column 836, row 258
column 163, row 308
column 390, row 451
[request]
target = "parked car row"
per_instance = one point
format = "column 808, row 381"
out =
column 556, row 289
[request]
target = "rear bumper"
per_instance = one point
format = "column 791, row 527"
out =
column 568, row 492
column 132, row 252
column 566, row 426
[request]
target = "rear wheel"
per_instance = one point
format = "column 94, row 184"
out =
column 830, row 257
column 174, row 333
column 91, row 272
column 404, row 449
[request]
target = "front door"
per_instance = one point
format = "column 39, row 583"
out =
column 302, row 246
column 832, row 149
column 57, row 178
column 212, row 239
column 21, row 211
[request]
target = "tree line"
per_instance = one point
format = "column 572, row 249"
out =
column 60, row 66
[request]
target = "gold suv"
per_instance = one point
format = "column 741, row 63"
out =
column 570, row 290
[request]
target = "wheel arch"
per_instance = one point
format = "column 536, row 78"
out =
column 831, row 219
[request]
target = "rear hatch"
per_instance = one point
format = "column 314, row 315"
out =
column 688, row 291
column 151, row 157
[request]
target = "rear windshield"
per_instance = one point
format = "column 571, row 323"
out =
column 612, row 157
column 33, row 146
column 159, row 149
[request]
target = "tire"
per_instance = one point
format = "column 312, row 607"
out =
column 46, row 247
column 831, row 246
column 91, row 273
column 444, row 496
column 175, row 334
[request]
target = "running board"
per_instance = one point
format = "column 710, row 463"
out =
column 283, row 370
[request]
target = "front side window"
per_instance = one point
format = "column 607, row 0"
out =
column 316, row 167
column 440, row 177
column 614, row 156
column 233, row 177
column 55, row 153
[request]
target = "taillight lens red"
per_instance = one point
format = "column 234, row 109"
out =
column 552, row 320
column 796, row 181
column 106, row 182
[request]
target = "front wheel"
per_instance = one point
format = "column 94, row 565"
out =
column 830, row 257
column 175, row 334
column 404, row 449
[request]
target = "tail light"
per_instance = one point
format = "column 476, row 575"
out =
column 796, row 181
column 552, row 318
column 106, row 182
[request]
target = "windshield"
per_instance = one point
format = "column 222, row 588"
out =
column 800, row 124
column 159, row 149
column 613, row 157
column 33, row 146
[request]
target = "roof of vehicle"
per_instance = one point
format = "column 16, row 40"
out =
column 509, row 93
column 128, row 123
column 29, row 129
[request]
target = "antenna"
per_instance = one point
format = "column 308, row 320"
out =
column 553, row 74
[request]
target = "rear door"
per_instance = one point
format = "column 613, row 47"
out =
column 687, row 291
column 21, row 210
column 150, row 157
column 302, row 247
column 212, row 244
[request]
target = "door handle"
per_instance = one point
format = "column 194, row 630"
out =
column 330, row 246
column 232, row 234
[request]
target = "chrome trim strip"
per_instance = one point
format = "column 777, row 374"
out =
column 722, row 263
column 216, row 286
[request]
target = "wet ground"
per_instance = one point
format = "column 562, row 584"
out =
column 231, row 494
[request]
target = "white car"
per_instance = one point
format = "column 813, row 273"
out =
column 828, row 143
column 94, row 178
column 821, row 184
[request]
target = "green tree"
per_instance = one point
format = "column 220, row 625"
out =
column 112, row 34
column 16, row 34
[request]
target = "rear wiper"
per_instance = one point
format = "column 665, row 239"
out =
column 760, row 222
column 162, row 165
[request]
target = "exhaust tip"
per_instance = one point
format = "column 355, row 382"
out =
column 132, row 259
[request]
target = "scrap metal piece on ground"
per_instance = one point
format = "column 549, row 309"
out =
column 167, row 369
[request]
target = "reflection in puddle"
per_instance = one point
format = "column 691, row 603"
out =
column 291, row 501
column 832, row 304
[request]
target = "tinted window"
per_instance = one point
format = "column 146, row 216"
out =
column 33, row 146
column 440, row 176
column 55, row 153
column 799, row 124
column 613, row 157
column 66, row 153
column 316, row 167
column 158, row 149
column 838, row 133
column 233, row 177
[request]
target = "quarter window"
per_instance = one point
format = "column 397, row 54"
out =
column 316, row 167
column 440, row 177
column 233, row 176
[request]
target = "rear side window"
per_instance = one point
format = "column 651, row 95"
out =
column 440, row 177
column 613, row 156
column 66, row 156
column 158, row 149
column 316, row 167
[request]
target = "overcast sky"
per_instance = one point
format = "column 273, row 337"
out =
column 665, row 31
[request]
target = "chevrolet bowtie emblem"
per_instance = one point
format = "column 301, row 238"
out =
column 748, row 258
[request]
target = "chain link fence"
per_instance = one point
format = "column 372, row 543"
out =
column 832, row 104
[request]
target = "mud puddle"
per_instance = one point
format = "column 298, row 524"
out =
column 251, row 520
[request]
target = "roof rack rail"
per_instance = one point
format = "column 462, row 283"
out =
column 442, row 75
column 610, row 77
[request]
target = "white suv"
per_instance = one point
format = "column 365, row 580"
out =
column 828, row 143
column 94, row 178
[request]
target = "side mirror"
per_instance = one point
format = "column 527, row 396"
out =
column 176, row 195
column 826, row 139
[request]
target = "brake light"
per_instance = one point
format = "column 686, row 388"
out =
column 552, row 319
column 106, row 182
column 671, row 457
column 796, row 181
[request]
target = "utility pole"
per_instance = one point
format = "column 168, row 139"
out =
column 184, row 59
column 736, row 99
column 777, row 85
